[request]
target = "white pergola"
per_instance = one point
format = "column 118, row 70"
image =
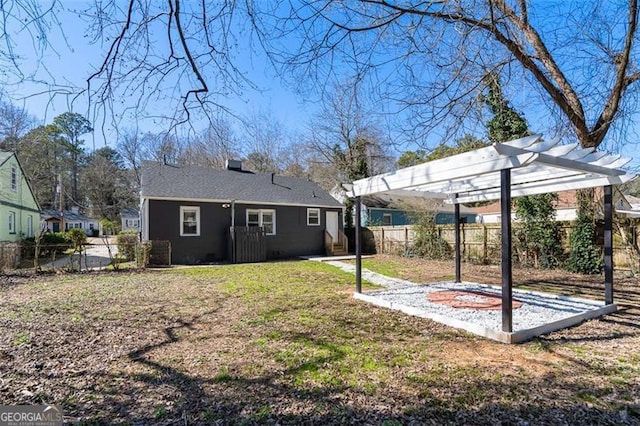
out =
column 525, row 166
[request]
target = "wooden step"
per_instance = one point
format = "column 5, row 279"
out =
column 339, row 250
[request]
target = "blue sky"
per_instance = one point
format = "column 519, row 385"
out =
column 64, row 71
column 74, row 59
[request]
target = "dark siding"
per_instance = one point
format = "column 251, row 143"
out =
column 293, row 236
column 210, row 246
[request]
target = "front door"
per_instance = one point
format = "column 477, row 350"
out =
column 332, row 225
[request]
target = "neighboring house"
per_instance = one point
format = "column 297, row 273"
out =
column 55, row 221
column 393, row 210
column 130, row 220
column 19, row 210
column 566, row 207
column 633, row 209
column 387, row 210
column 195, row 208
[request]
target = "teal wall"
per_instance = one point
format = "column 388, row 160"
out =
column 399, row 217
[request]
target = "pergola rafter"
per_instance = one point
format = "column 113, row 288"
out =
column 537, row 166
column 525, row 166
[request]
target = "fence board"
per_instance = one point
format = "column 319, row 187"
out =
column 248, row 244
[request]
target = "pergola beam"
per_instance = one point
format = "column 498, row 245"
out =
column 542, row 188
column 562, row 162
column 474, row 175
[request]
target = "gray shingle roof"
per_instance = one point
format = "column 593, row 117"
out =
column 129, row 212
column 68, row 215
column 204, row 183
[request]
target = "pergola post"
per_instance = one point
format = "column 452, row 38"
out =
column 456, row 221
column 356, row 213
column 505, row 224
column 608, row 244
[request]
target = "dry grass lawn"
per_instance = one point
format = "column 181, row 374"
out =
column 285, row 343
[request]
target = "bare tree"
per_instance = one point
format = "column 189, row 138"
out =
column 576, row 60
column 14, row 123
column 106, row 184
column 130, row 148
column 213, row 147
column 265, row 141
column 33, row 18
column 344, row 137
column 178, row 54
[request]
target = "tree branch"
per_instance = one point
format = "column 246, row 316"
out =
column 602, row 125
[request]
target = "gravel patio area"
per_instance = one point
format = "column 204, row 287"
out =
column 539, row 313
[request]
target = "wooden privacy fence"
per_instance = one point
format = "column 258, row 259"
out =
column 9, row 255
column 248, row 244
column 480, row 243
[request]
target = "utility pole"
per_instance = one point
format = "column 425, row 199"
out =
column 60, row 200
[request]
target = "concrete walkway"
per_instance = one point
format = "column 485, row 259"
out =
column 94, row 257
column 372, row 277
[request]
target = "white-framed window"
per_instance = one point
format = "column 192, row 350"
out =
column 14, row 178
column 29, row 226
column 387, row 219
column 189, row 221
column 313, row 217
column 263, row 218
column 12, row 222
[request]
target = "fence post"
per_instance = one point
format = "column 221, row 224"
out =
column 485, row 254
column 406, row 239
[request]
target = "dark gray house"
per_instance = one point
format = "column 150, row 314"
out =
column 211, row 215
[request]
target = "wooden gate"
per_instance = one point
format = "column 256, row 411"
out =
column 248, row 244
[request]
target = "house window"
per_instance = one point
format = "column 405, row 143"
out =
column 12, row 222
column 313, row 217
column 189, row 221
column 29, row 226
column 131, row 223
column 263, row 218
column 14, row 178
column 387, row 219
